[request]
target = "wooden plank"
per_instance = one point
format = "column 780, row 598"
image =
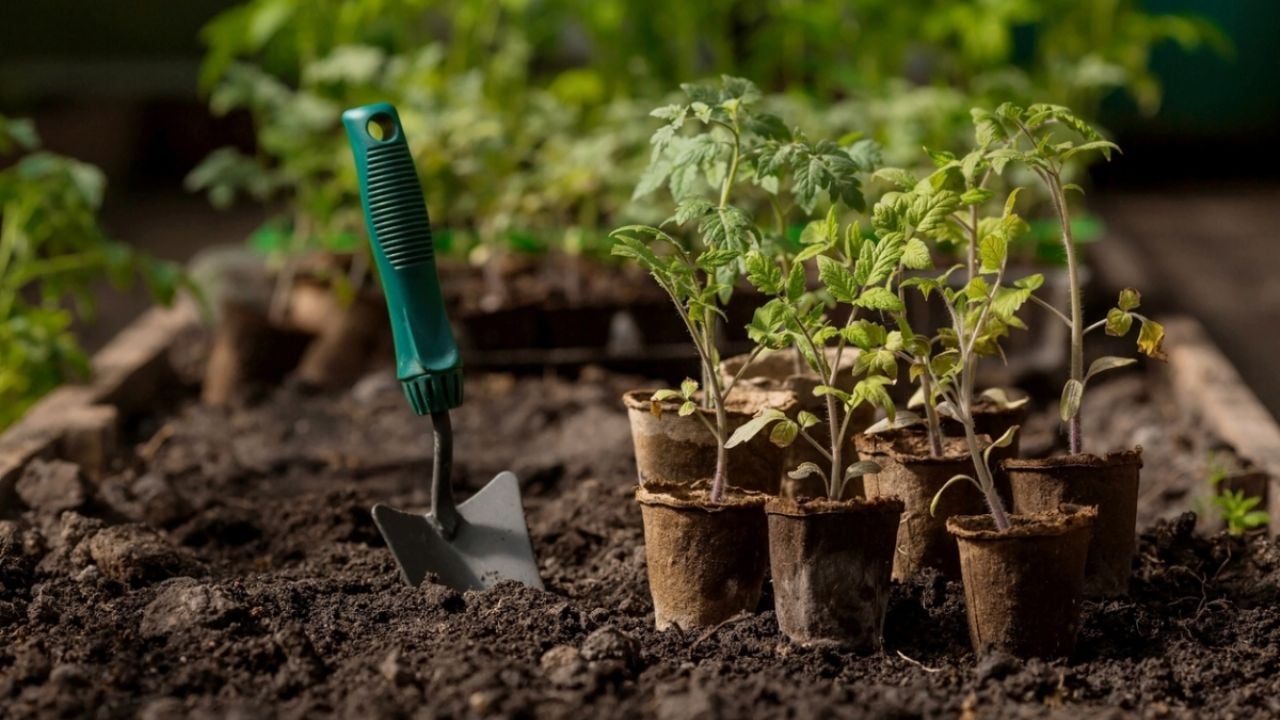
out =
column 1210, row 392
column 80, row 423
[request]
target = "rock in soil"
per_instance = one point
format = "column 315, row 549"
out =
column 52, row 486
column 136, row 555
column 269, row 593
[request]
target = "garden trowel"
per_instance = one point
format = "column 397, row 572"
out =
column 484, row 540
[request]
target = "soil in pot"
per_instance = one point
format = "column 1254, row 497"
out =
column 1108, row 482
column 706, row 562
column 779, row 371
column 909, row 473
column 1023, row 588
column 831, row 563
column 675, row 450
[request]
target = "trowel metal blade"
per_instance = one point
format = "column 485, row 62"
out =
column 491, row 545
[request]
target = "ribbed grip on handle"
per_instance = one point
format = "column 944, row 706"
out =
column 427, row 361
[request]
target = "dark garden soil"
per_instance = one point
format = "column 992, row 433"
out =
column 230, row 568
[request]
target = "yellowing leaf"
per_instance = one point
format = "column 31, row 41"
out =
column 1130, row 299
column 1151, row 340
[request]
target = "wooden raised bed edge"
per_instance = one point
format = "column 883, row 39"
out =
column 81, row 423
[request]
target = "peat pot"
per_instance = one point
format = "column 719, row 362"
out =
column 681, row 451
column 909, row 473
column 706, row 562
column 831, row 563
column 778, row 371
column 1109, row 483
column 1023, row 587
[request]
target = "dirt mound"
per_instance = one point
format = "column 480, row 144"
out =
column 232, row 568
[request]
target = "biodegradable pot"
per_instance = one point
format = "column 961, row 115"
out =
column 681, row 451
column 248, row 348
column 1109, row 483
column 778, row 371
column 908, row 472
column 706, row 562
column 831, row 562
column 1023, row 588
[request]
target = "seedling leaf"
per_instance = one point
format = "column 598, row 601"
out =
column 1002, row 399
column 1072, row 392
column 1151, row 340
column 860, row 468
column 753, row 426
column 933, row 504
column 1104, row 364
column 1004, row 440
column 805, row 469
column 903, row 419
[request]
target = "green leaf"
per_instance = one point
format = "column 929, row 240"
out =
column 688, row 408
column 763, row 273
column 1151, row 340
column 1002, row 399
column 805, row 469
column 1003, row 441
column 1118, row 322
column 753, row 426
column 915, row 255
column 1104, row 364
column 688, row 387
column 824, row 390
column 879, row 298
column 897, row 177
column 933, row 504
column 1030, row 282
column 871, row 391
column 797, row 282
column 902, row 419
column 784, row 433
column 1130, row 299
column 1072, row 393
column 993, row 251
column 838, row 280
column 864, row 334
column 662, row 395
column 860, row 468
column 1103, row 146
column 807, row 419
column 976, row 196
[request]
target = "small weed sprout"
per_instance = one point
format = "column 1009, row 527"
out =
column 1238, row 511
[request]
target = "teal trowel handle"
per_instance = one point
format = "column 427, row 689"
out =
column 427, row 362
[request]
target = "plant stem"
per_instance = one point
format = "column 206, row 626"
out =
column 973, row 242
column 994, row 503
column 931, row 415
column 1054, row 183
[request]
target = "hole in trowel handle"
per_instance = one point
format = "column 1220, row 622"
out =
column 381, row 128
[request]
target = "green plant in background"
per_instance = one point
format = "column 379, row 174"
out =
column 531, row 105
column 53, row 253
